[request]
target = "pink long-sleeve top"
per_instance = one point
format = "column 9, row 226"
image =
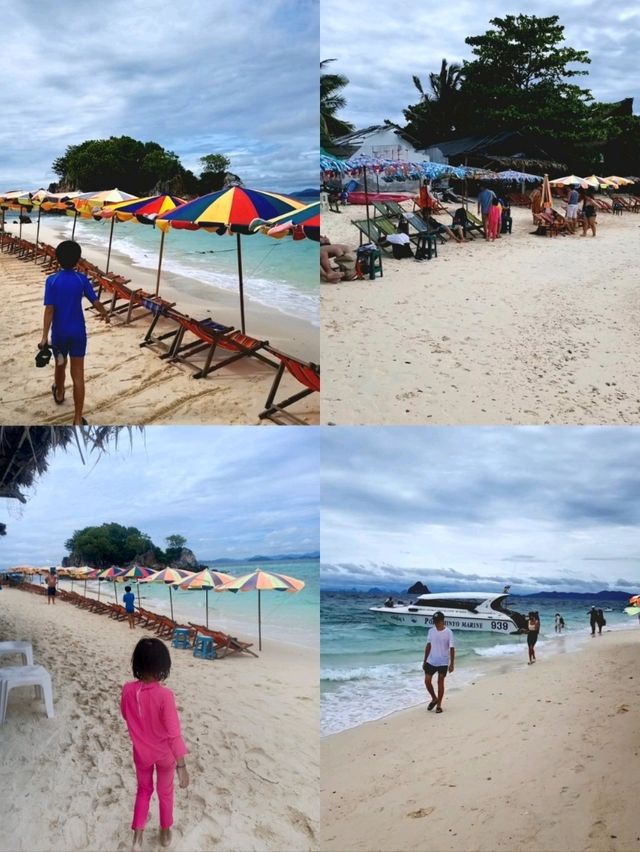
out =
column 149, row 710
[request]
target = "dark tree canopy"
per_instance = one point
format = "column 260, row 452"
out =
column 331, row 101
column 110, row 544
column 141, row 168
column 436, row 116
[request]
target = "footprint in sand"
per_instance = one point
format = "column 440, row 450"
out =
column 421, row 812
column 300, row 821
column 75, row 833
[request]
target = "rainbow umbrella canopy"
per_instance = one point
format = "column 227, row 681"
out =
column 18, row 200
column 111, row 574
column 86, row 203
column 170, row 577
column 144, row 210
column 262, row 581
column 230, row 210
column 304, row 222
column 137, row 573
column 205, row 579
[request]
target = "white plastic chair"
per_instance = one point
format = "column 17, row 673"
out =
column 37, row 676
column 22, row 648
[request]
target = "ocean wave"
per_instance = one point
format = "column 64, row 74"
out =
column 502, row 650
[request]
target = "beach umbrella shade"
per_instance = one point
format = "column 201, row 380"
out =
column 86, row 202
column 568, row 180
column 144, row 210
column 18, row 200
column 170, row 577
column 206, row 580
column 305, row 220
column 262, row 581
column 111, row 574
column 232, row 209
column 137, row 573
column 597, row 182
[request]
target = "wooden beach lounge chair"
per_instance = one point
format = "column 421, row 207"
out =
column 209, row 336
column 230, row 644
column 308, row 374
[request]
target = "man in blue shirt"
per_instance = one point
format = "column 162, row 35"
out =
column 485, row 200
column 129, row 600
column 64, row 316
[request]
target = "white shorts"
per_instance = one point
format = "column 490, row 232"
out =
column 572, row 211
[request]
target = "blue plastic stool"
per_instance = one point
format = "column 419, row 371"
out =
column 180, row 638
column 203, row 647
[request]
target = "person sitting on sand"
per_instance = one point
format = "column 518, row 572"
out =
column 129, row 601
column 63, row 315
column 533, row 627
column 149, row 709
column 342, row 255
column 439, row 656
column 461, row 223
column 52, row 582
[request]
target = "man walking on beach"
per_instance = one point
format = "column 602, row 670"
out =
column 439, row 655
column 63, row 314
column 572, row 209
column 485, row 203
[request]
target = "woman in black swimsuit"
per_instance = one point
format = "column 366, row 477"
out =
column 589, row 213
column 533, row 626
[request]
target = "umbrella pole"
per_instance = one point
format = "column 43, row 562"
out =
column 241, row 283
column 73, row 230
column 159, row 263
column 138, row 585
column 85, row 588
column 35, row 251
column 115, row 590
column 171, row 603
column 206, row 591
column 20, row 225
column 98, row 589
column 259, row 624
column 113, row 221
column 366, row 196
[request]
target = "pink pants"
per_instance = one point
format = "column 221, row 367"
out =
column 164, row 788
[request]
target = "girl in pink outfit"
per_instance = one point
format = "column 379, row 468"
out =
column 494, row 222
column 149, row 710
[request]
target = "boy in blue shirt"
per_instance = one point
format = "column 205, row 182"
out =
column 129, row 599
column 64, row 316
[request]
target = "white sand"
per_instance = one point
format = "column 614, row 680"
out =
column 539, row 758
column 129, row 385
column 251, row 726
column 526, row 330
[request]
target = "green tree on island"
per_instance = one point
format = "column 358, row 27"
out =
column 174, row 550
column 332, row 100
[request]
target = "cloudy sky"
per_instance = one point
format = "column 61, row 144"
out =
column 232, row 492
column 197, row 76
column 388, row 45
column 540, row 508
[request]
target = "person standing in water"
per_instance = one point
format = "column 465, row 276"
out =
column 439, row 656
column 533, row 626
column 593, row 619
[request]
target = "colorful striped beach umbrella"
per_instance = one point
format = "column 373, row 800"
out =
column 144, row 210
column 111, row 574
column 205, row 579
column 262, row 581
column 86, row 203
column 170, row 577
column 18, row 200
column 230, row 210
column 620, row 181
column 137, row 573
column 305, row 220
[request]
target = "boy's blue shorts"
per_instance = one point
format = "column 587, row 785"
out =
column 75, row 346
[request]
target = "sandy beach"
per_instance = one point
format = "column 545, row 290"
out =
column 526, row 330
column 129, row 385
column 541, row 757
column 251, row 726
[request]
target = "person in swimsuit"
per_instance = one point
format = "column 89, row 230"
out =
column 533, row 626
column 589, row 214
column 52, row 582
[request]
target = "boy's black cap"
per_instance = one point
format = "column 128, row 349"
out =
column 44, row 356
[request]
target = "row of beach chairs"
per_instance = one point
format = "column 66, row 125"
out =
column 182, row 337
column 163, row 627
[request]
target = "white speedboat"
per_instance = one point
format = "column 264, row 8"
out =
column 462, row 611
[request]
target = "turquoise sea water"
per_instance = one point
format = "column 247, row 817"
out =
column 281, row 274
column 370, row 669
column 292, row 618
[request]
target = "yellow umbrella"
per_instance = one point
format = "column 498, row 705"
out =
column 621, row 181
column 87, row 201
column 569, row 180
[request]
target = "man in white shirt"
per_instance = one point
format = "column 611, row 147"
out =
column 439, row 655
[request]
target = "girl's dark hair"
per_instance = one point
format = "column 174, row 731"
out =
column 127, row 588
column 151, row 659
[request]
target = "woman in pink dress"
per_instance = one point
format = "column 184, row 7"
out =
column 149, row 710
column 494, row 223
